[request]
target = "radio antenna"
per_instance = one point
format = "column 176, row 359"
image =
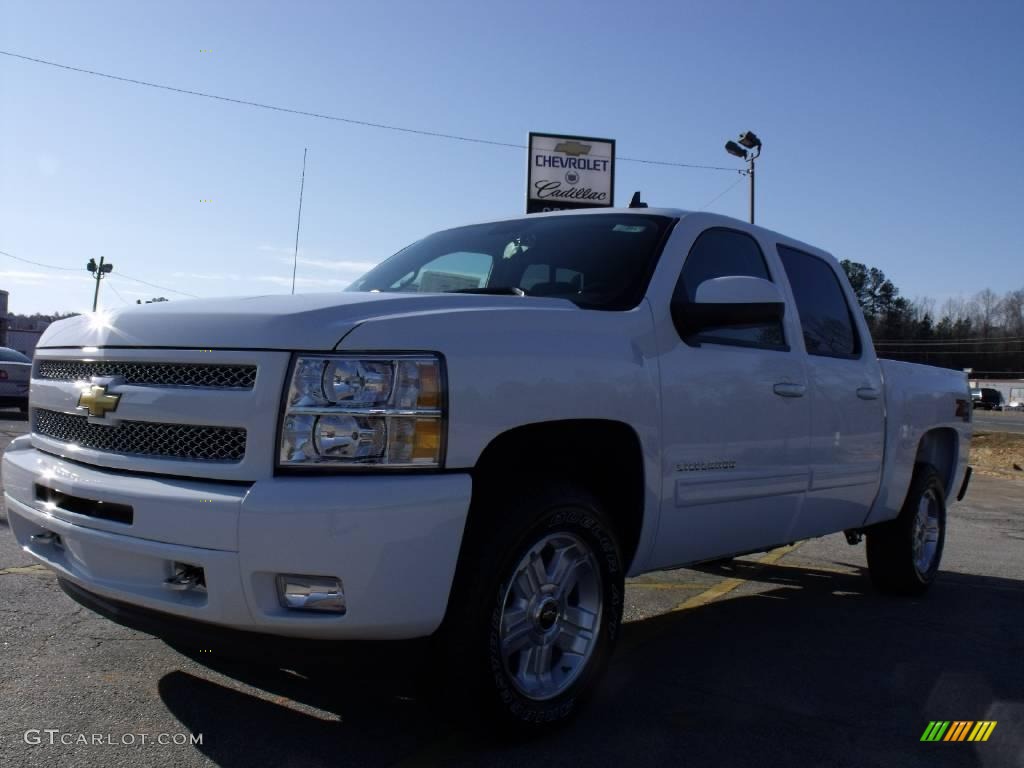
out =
column 298, row 225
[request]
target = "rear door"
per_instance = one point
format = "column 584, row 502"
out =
column 845, row 387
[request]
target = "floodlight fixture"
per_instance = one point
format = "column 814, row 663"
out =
column 735, row 149
column 749, row 140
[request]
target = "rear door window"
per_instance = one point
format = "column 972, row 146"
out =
column 825, row 317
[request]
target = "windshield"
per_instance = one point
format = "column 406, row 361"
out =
column 8, row 355
column 598, row 261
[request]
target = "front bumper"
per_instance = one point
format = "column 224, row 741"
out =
column 393, row 540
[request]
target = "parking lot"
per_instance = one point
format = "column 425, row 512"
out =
column 783, row 658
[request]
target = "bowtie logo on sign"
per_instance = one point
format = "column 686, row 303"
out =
column 569, row 172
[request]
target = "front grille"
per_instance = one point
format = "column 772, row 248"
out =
column 151, row 374
column 143, row 438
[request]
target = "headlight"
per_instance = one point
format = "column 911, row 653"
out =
column 358, row 410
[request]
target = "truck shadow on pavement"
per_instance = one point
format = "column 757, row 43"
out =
column 815, row 670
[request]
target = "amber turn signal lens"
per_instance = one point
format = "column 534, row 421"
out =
column 427, row 440
column 430, row 387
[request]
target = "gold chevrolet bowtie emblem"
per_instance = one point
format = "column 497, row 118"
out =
column 573, row 148
column 96, row 400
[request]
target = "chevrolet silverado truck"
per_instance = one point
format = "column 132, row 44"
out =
column 477, row 443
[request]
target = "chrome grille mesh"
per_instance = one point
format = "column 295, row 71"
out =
column 143, row 438
column 152, row 374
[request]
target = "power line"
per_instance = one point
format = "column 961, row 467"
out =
column 336, row 118
column 38, row 263
column 722, row 194
column 120, row 274
column 939, row 343
column 117, row 293
column 161, row 287
column 951, row 352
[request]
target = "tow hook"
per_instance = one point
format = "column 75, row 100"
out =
column 185, row 577
column 854, row 537
column 47, row 537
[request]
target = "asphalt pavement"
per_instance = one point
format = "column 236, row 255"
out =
column 999, row 421
column 785, row 658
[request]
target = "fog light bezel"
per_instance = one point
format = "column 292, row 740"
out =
column 329, row 600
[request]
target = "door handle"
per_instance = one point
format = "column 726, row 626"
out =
column 868, row 393
column 786, row 389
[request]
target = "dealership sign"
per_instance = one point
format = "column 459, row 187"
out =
column 567, row 172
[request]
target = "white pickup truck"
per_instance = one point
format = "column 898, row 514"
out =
column 477, row 443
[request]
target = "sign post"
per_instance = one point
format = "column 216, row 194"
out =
column 569, row 172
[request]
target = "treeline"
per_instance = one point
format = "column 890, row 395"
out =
column 984, row 332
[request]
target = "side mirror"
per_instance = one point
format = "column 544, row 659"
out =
column 729, row 301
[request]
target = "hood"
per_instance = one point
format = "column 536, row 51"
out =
column 304, row 322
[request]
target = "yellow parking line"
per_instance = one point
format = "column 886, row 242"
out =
column 728, row 585
column 816, row 567
column 23, row 569
column 667, row 584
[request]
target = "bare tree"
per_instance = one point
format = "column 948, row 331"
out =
column 987, row 309
column 1012, row 315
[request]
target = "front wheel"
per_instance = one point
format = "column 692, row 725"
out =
column 536, row 608
column 904, row 554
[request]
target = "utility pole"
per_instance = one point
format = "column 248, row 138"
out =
column 751, row 174
column 98, row 271
column 749, row 151
column 298, row 225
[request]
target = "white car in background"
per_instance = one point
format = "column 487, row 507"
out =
column 15, row 372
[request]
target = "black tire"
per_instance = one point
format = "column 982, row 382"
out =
column 477, row 686
column 891, row 545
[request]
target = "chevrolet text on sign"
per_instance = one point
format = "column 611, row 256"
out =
column 566, row 172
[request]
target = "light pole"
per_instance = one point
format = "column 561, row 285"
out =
column 749, row 151
column 98, row 271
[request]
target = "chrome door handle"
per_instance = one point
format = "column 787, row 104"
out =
column 868, row 393
column 785, row 389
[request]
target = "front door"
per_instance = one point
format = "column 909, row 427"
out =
column 735, row 420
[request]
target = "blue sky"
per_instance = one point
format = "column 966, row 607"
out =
column 888, row 131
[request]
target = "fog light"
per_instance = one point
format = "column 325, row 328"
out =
column 311, row 593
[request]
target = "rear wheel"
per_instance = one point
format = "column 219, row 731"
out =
column 535, row 609
column 904, row 554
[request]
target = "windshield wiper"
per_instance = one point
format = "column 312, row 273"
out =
column 507, row 290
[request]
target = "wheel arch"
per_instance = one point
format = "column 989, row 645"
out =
column 939, row 447
column 603, row 455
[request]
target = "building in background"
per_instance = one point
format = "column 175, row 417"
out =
column 21, row 332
